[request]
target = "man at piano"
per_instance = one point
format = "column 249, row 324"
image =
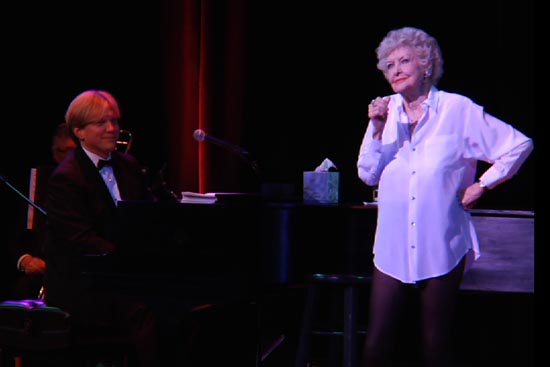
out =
column 82, row 197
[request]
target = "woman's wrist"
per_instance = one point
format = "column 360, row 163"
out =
column 482, row 185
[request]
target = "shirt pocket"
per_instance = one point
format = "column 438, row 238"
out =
column 442, row 152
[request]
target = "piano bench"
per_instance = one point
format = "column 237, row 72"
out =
column 34, row 334
column 349, row 284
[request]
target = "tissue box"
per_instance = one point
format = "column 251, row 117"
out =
column 321, row 187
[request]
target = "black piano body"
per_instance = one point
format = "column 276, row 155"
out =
column 250, row 242
column 226, row 252
column 225, row 267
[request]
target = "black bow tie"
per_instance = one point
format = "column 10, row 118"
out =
column 102, row 163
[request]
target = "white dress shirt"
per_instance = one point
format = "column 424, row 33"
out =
column 422, row 230
column 107, row 174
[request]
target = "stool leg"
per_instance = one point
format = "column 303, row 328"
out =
column 350, row 328
column 7, row 359
column 304, row 343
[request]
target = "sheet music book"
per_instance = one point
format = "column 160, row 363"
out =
column 188, row 197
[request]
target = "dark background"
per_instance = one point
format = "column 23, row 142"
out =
column 317, row 73
column 310, row 72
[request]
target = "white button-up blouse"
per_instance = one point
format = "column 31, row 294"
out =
column 422, row 230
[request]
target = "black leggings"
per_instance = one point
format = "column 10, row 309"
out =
column 387, row 303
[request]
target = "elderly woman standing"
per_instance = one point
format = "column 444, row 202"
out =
column 421, row 148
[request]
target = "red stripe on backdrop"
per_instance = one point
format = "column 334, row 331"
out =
column 205, row 85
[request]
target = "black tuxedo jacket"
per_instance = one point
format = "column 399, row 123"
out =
column 82, row 220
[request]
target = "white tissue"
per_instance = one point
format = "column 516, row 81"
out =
column 325, row 166
column 322, row 185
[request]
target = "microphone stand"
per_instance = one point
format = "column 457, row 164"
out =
column 22, row 195
column 251, row 162
column 200, row 136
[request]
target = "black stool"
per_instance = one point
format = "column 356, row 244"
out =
column 31, row 331
column 350, row 283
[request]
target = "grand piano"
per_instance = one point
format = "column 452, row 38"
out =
column 230, row 258
column 243, row 243
column 220, row 265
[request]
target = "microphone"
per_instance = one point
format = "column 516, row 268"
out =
column 199, row 135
